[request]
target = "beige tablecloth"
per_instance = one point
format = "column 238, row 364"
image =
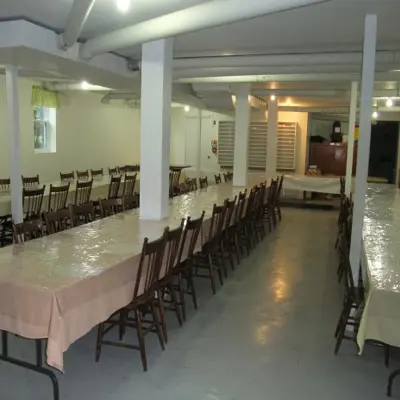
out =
column 61, row 286
column 381, row 238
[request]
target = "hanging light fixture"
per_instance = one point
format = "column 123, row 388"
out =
column 389, row 102
column 273, row 97
column 123, row 5
column 375, row 115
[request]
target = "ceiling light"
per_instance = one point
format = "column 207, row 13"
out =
column 84, row 85
column 123, row 5
column 375, row 115
column 389, row 103
column 187, row 108
column 273, row 97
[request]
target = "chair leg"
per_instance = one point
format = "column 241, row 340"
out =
column 386, row 349
column 192, row 288
column 162, row 315
column 122, row 326
column 211, row 271
column 392, row 376
column 182, row 296
column 158, row 324
column 343, row 323
column 176, row 305
column 100, row 331
column 236, row 239
column 140, row 335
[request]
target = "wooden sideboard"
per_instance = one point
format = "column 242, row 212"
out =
column 331, row 158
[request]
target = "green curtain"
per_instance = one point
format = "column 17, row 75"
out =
column 44, row 98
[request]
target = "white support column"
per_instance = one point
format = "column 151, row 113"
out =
column 14, row 143
column 367, row 91
column 242, row 126
column 155, row 128
column 350, row 137
column 198, row 139
column 272, row 138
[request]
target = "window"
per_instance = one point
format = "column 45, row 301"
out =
column 44, row 129
column 257, row 152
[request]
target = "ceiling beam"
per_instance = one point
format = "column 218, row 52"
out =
column 202, row 16
column 76, row 20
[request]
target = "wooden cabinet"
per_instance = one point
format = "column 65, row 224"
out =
column 330, row 158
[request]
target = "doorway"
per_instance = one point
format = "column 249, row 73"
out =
column 383, row 150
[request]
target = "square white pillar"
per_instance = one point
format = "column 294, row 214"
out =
column 350, row 137
column 367, row 92
column 272, row 138
column 242, row 126
column 155, row 127
column 198, row 141
column 14, row 143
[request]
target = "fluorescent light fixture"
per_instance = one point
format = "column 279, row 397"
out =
column 123, row 5
column 273, row 97
column 84, row 85
column 187, row 108
column 389, row 102
column 375, row 115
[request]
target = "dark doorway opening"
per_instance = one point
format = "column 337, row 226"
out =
column 383, row 150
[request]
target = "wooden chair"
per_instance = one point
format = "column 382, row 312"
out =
column 132, row 168
column 277, row 204
column 228, row 244
column 28, row 230
column 352, row 307
column 129, row 185
column 58, row 196
column 113, row 188
column 113, row 171
column 143, row 303
column 218, row 179
column 185, row 270
column 30, row 181
column 269, row 214
column 209, row 258
column 226, row 177
column 57, row 221
column 32, row 200
column 174, row 177
column 203, row 182
column 239, row 237
column 122, row 169
column 82, row 214
column 6, row 233
column 69, row 176
column 82, row 175
column 230, row 175
column 110, row 207
column 96, row 172
column 82, row 192
column 165, row 284
column 192, row 184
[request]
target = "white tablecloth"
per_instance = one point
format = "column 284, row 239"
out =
column 381, row 237
column 307, row 183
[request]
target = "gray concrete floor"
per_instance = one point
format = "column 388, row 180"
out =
column 266, row 335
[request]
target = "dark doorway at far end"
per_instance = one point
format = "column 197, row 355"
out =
column 383, row 150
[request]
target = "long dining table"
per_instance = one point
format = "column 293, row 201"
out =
column 381, row 261
column 61, row 286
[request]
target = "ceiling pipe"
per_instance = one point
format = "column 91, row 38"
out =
column 76, row 86
column 76, row 20
column 327, row 59
column 120, row 96
column 203, row 16
column 300, row 93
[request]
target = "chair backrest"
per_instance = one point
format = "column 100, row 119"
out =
column 32, row 200
column 113, row 188
column 172, row 254
column 151, row 261
column 230, row 175
column 83, row 191
column 110, row 207
column 278, row 194
column 226, row 177
column 83, row 175
column 81, row 214
column 57, row 221
column 58, row 196
column 217, row 222
column 96, row 172
column 5, row 185
column 122, row 169
column 132, row 168
column 230, row 208
column 174, row 177
column 217, row 179
column 30, row 181
column 272, row 192
column 191, row 233
column 130, row 202
column 113, row 171
column 203, row 182
column 28, row 230
column 239, row 210
column 129, row 185
column 345, row 259
column 69, row 176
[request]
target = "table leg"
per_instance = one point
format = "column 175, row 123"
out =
column 24, row 364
